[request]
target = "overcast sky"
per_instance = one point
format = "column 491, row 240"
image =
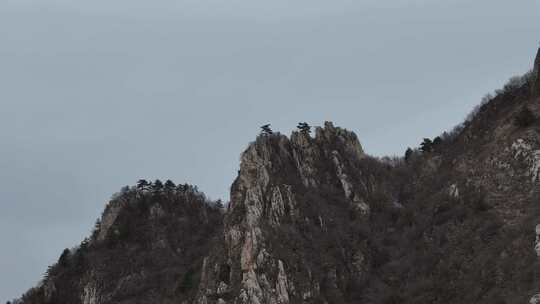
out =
column 97, row 94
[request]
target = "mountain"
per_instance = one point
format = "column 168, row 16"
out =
column 314, row 219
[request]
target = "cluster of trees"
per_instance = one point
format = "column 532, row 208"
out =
column 426, row 146
column 144, row 186
column 158, row 188
column 304, row 127
column 158, row 185
column 168, row 189
column 429, row 145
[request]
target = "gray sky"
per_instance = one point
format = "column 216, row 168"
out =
column 97, row 94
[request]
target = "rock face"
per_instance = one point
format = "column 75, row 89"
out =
column 535, row 299
column 524, row 150
column 313, row 219
column 277, row 214
column 536, row 76
column 537, row 241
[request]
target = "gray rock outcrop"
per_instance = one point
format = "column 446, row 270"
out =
column 536, row 76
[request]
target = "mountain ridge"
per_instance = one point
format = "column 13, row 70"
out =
column 314, row 219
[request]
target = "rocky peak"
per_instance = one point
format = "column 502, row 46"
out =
column 274, row 166
column 274, row 146
column 273, row 151
column 277, row 159
column 279, row 185
column 330, row 135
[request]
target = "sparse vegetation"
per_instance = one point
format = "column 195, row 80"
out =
column 523, row 119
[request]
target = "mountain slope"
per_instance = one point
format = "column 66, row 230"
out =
column 147, row 248
column 313, row 219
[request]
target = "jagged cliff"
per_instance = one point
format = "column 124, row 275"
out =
column 293, row 230
column 313, row 219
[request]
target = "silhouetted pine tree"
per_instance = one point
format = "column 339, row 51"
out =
column 157, row 185
column 437, row 141
column 304, row 127
column 143, row 184
column 63, row 261
column 169, row 185
column 266, row 129
column 408, row 154
column 426, row 145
